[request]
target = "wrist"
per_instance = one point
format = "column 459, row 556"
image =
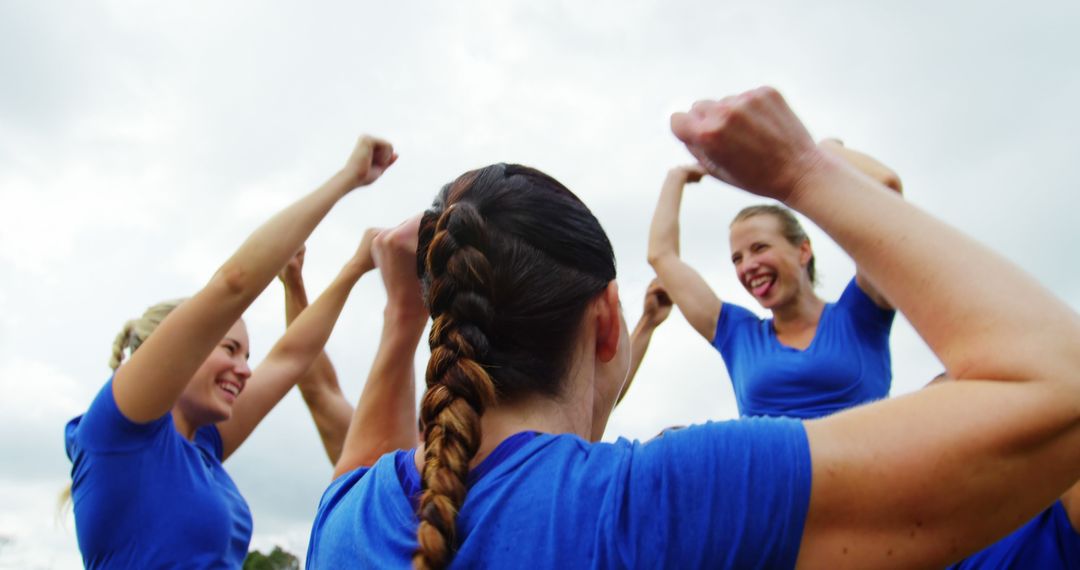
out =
column 677, row 175
column 645, row 327
column 404, row 314
column 820, row 171
column 343, row 182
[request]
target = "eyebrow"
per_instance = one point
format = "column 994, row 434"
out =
column 247, row 355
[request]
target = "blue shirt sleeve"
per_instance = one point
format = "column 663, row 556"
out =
column 856, row 302
column 104, row 428
column 732, row 317
column 739, row 490
column 1046, row 542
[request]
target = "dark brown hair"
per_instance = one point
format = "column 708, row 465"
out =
column 509, row 259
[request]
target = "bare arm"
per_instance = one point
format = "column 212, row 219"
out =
column 924, row 479
column 319, row 386
column 149, row 384
column 695, row 299
column 385, row 416
column 880, row 173
column 657, row 308
column 292, row 356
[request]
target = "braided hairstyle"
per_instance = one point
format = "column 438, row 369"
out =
column 509, row 259
column 136, row 331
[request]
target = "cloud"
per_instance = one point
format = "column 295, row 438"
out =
column 144, row 142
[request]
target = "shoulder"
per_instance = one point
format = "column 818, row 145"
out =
column 103, row 428
column 732, row 319
column 855, row 302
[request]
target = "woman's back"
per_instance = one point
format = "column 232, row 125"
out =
column 741, row 490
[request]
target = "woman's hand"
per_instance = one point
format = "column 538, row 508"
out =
column 394, row 252
column 687, row 174
column 752, row 140
column 657, row 304
column 371, row 157
column 292, row 273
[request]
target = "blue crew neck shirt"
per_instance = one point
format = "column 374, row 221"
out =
column 720, row 495
column 847, row 364
column 146, row 497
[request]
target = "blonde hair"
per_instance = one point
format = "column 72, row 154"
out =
column 136, row 331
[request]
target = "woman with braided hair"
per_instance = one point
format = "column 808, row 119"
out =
column 148, row 485
column 529, row 352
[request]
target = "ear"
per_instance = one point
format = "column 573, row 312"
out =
column 805, row 252
column 608, row 323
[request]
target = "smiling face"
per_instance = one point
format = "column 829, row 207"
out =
column 212, row 391
column 770, row 267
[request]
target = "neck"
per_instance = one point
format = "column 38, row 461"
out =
column 183, row 425
column 804, row 310
column 536, row 413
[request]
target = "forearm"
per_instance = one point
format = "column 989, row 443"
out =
column 385, row 416
column 664, row 229
column 329, row 409
column 982, row 316
column 639, row 344
column 288, row 360
column 296, row 299
column 150, row 384
column 306, row 336
column 269, row 248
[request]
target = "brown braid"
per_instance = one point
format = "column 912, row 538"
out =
column 459, row 387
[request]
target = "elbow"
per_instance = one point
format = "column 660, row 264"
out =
column 234, row 280
column 892, row 181
column 657, row 257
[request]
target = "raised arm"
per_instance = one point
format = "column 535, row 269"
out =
column 923, row 479
column 294, row 353
column 881, row 174
column 695, row 299
column 657, row 308
column 385, row 416
column 319, row 385
column 149, row 384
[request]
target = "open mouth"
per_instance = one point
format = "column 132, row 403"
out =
column 231, row 388
column 761, row 285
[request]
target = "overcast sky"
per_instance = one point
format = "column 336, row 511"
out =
column 140, row 142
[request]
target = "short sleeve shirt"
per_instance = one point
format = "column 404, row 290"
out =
column 848, row 363
column 146, row 497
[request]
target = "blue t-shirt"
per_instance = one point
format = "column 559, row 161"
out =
column 720, row 495
column 146, row 497
column 1047, row 542
column 846, row 364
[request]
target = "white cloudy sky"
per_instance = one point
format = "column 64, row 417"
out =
column 140, row 142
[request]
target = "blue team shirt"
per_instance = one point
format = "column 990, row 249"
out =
column 1047, row 542
column 720, row 495
column 847, row 363
column 146, row 497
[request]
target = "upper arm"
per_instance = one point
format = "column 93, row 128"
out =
column 689, row 291
column 148, row 385
column 872, row 292
column 691, row 508
column 924, row 479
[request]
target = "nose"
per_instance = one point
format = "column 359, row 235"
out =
column 746, row 265
column 242, row 370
